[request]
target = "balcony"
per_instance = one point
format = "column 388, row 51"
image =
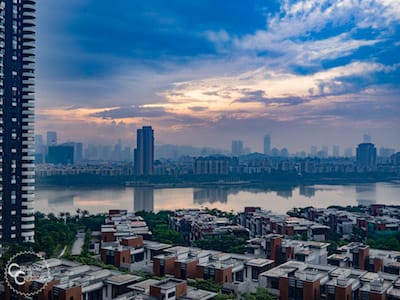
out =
column 28, row 226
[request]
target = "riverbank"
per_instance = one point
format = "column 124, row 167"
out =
column 253, row 180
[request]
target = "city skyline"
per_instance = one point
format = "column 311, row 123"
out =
column 301, row 71
column 269, row 148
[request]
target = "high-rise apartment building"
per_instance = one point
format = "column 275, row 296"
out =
column 267, row 144
column 17, row 146
column 144, row 152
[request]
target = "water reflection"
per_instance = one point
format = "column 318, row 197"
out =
column 143, row 199
column 366, row 193
column 61, row 200
column 211, row 195
column 285, row 193
column 307, row 191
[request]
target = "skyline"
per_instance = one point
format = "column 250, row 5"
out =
column 305, row 72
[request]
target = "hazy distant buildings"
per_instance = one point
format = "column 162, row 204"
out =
column 284, row 152
column 51, row 138
column 17, row 68
column 39, row 149
column 144, row 152
column 275, row 152
column 348, row 152
column 386, row 152
column 78, row 152
column 237, row 148
column 366, row 156
column 267, row 144
column 212, row 165
column 61, row 154
column 313, row 151
column 335, row 151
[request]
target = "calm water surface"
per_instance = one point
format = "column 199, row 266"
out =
column 60, row 199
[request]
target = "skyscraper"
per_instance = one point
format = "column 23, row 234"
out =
column 144, row 152
column 366, row 155
column 17, row 35
column 237, row 148
column 51, row 138
column 267, row 144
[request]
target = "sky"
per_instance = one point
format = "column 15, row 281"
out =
column 204, row 73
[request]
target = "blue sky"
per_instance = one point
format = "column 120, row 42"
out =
column 206, row 72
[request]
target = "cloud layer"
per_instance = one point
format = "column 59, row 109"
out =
column 201, row 71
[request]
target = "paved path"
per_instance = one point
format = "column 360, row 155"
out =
column 78, row 243
column 63, row 251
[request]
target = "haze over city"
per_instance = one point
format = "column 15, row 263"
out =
column 205, row 73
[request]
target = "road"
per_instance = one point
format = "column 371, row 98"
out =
column 78, row 243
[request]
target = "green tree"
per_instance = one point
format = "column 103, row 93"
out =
column 226, row 243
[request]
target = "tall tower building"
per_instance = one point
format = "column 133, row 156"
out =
column 267, row 144
column 366, row 155
column 17, row 72
column 51, row 138
column 144, row 152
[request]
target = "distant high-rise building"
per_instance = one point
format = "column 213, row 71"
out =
column 61, row 154
column 117, row 153
column 38, row 143
column 284, row 152
column 51, row 138
column 275, row 152
column 144, row 152
column 386, row 152
column 237, row 148
column 335, row 151
column 348, row 152
column 366, row 155
column 39, row 149
column 267, row 144
column 17, row 68
column 78, row 152
column 367, row 138
column 313, row 151
column 325, row 149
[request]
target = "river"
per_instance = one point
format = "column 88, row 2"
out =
column 100, row 200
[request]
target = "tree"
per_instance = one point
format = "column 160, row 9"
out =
column 226, row 243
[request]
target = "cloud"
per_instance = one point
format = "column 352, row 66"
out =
column 186, row 65
column 130, row 112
